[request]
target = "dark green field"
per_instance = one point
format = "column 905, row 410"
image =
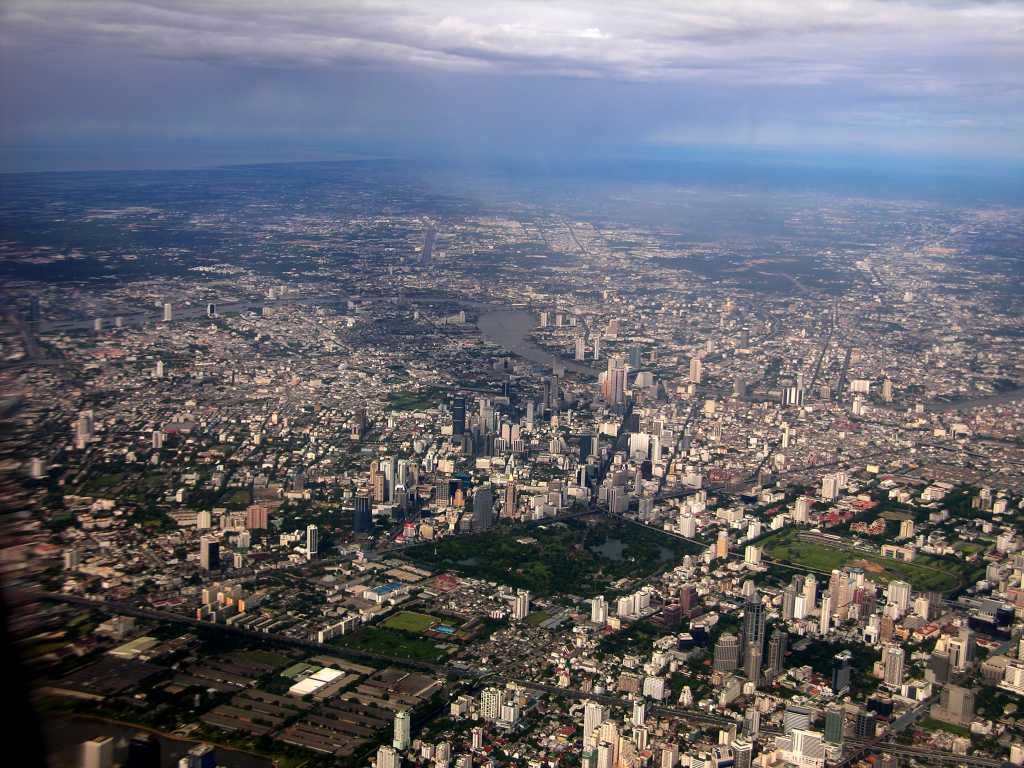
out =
column 574, row 557
column 393, row 642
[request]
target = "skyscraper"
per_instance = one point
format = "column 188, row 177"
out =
column 777, row 652
column 209, row 553
column 483, row 508
column 509, row 507
column 892, row 665
column 825, row 619
column 362, row 517
column 143, row 751
column 98, row 753
column 459, row 415
column 727, row 653
column 312, row 541
column 742, row 750
column 521, row 605
column 403, row 730
column 795, row 718
column 696, row 370
column 834, row 719
column 388, row 757
column 594, row 713
column 615, row 381
column 753, row 638
column 841, row 672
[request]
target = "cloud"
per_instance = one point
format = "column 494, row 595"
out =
column 638, row 39
column 683, row 68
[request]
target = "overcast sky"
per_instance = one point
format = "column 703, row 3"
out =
column 521, row 77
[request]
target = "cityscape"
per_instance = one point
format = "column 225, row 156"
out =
column 449, row 484
column 406, row 385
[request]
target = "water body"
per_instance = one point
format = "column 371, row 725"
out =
column 981, row 401
column 614, row 549
column 64, row 736
column 510, row 329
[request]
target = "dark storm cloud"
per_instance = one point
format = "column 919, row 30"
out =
column 925, row 75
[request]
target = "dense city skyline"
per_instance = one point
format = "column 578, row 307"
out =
column 512, row 385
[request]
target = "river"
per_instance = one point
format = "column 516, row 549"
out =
column 510, row 329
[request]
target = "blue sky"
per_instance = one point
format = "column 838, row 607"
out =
column 148, row 83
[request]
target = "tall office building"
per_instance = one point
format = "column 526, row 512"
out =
column 810, row 593
column 257, row 517
column 209, row 553
column 403, row 730
column 168, row 312
column 459, row 415
column 727, row 653
column 594, row 713
column 807, row 748
column 940, row 667
column 777, row 645
column 362, row 517
column 615, row 381
column 958, row 703
column 841, row 672
column 752, row 638
column 143, row 751
column 753, row 662
column 521, row 605
column 84, row 429
column 509, row 506
column 388, row 757
column 788, row 603
column 696, row 370
column 892, row 665
column 483, row 508
column 795, row 718
column 825, row 619
column 312, row 541
column 962, row 650
column 864, row 725
column 98, row 753
column 491, row 701
column 200, row 756
column 751, row 722
column 599, row 611
column 898, row 595
column 742, row 751
column 834, row 719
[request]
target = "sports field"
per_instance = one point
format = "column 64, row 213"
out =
column 408, row 621
column 924, row 573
